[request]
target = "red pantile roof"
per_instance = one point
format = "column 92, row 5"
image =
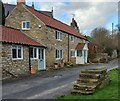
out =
column 51, row 22
column 80, row 46
column 10, row 35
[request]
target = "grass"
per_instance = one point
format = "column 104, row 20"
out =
column 108, row 92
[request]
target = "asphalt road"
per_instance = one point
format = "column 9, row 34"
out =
column 48, row 85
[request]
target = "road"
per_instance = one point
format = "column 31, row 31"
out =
column 48, row 85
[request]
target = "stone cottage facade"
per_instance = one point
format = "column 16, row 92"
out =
column 16, row 55
column 60, row 39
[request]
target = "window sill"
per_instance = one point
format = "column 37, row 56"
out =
column 59, row 58
column 58, row 40
column 25, row 28
column 34, row 58
column 17, row 59
column 73, row 56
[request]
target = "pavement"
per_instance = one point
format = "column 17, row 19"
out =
column 49, row 84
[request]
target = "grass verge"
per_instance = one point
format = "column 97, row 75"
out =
column 108, row 92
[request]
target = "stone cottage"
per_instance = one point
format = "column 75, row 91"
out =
column 20, row 52
column 60, row 39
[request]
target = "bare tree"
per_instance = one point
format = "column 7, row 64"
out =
column 101, row 37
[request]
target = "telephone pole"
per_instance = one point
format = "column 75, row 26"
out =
column 112, row 28
column 112, row 33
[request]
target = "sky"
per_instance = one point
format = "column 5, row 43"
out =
column 89, row 14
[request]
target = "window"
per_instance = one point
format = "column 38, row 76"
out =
column 58, row 53
column 25, row 25
column 33, row 53
column 17, row 52
column 58, row 35
column 79, row 53
column 72, row 38
column 72, row 52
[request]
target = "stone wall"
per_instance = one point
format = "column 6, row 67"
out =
column 15, row 67
column 34, row 63
column 53, row 44
column 44, row 35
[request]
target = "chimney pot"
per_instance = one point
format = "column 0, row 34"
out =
column 20, row 2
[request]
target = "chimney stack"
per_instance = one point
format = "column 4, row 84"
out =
column 52, row 11
column 20, row 2
column 33, row 5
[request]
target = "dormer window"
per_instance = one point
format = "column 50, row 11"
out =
column 25, row 25
column 72, row 38
column 58, row 35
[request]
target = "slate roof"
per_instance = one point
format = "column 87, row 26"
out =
column 10, row 35
column 80, row 46
column 48, row 13
column 10, row 7
column 51, row 22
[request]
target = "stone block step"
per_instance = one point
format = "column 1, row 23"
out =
column 90, row 81
column 81, row 92
column 85, row 87
column 90, row 76
column 95, row 71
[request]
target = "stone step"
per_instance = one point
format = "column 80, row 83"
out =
column 85, row 87
column 81, row 92
column 90, row 76
column 95, row 71
column 90, row 81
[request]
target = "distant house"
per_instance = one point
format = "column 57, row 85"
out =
column 93, row 49
column 20, row 52
column 60, row 39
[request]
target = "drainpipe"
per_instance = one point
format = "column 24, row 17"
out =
column 29, row 60
column 68, row 47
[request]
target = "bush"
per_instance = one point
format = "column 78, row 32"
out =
column 109, row 50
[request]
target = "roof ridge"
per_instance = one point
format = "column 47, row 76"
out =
column 46, row 11
column 67, row 28
column 53, row 18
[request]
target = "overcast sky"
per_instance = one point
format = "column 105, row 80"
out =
column 88, row 15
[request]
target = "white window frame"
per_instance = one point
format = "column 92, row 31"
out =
column 73, row 50
column 72, row 37
column 59, row 56
column 33, row 53
column 58, row 36
column 17, row 47
column 25, row 25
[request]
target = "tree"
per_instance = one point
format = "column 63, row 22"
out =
column 88, row 38
column 2, row 15
column 100, row 36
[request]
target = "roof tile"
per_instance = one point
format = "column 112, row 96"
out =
column 10, row 35
column 80, row 46
column 55, row 23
